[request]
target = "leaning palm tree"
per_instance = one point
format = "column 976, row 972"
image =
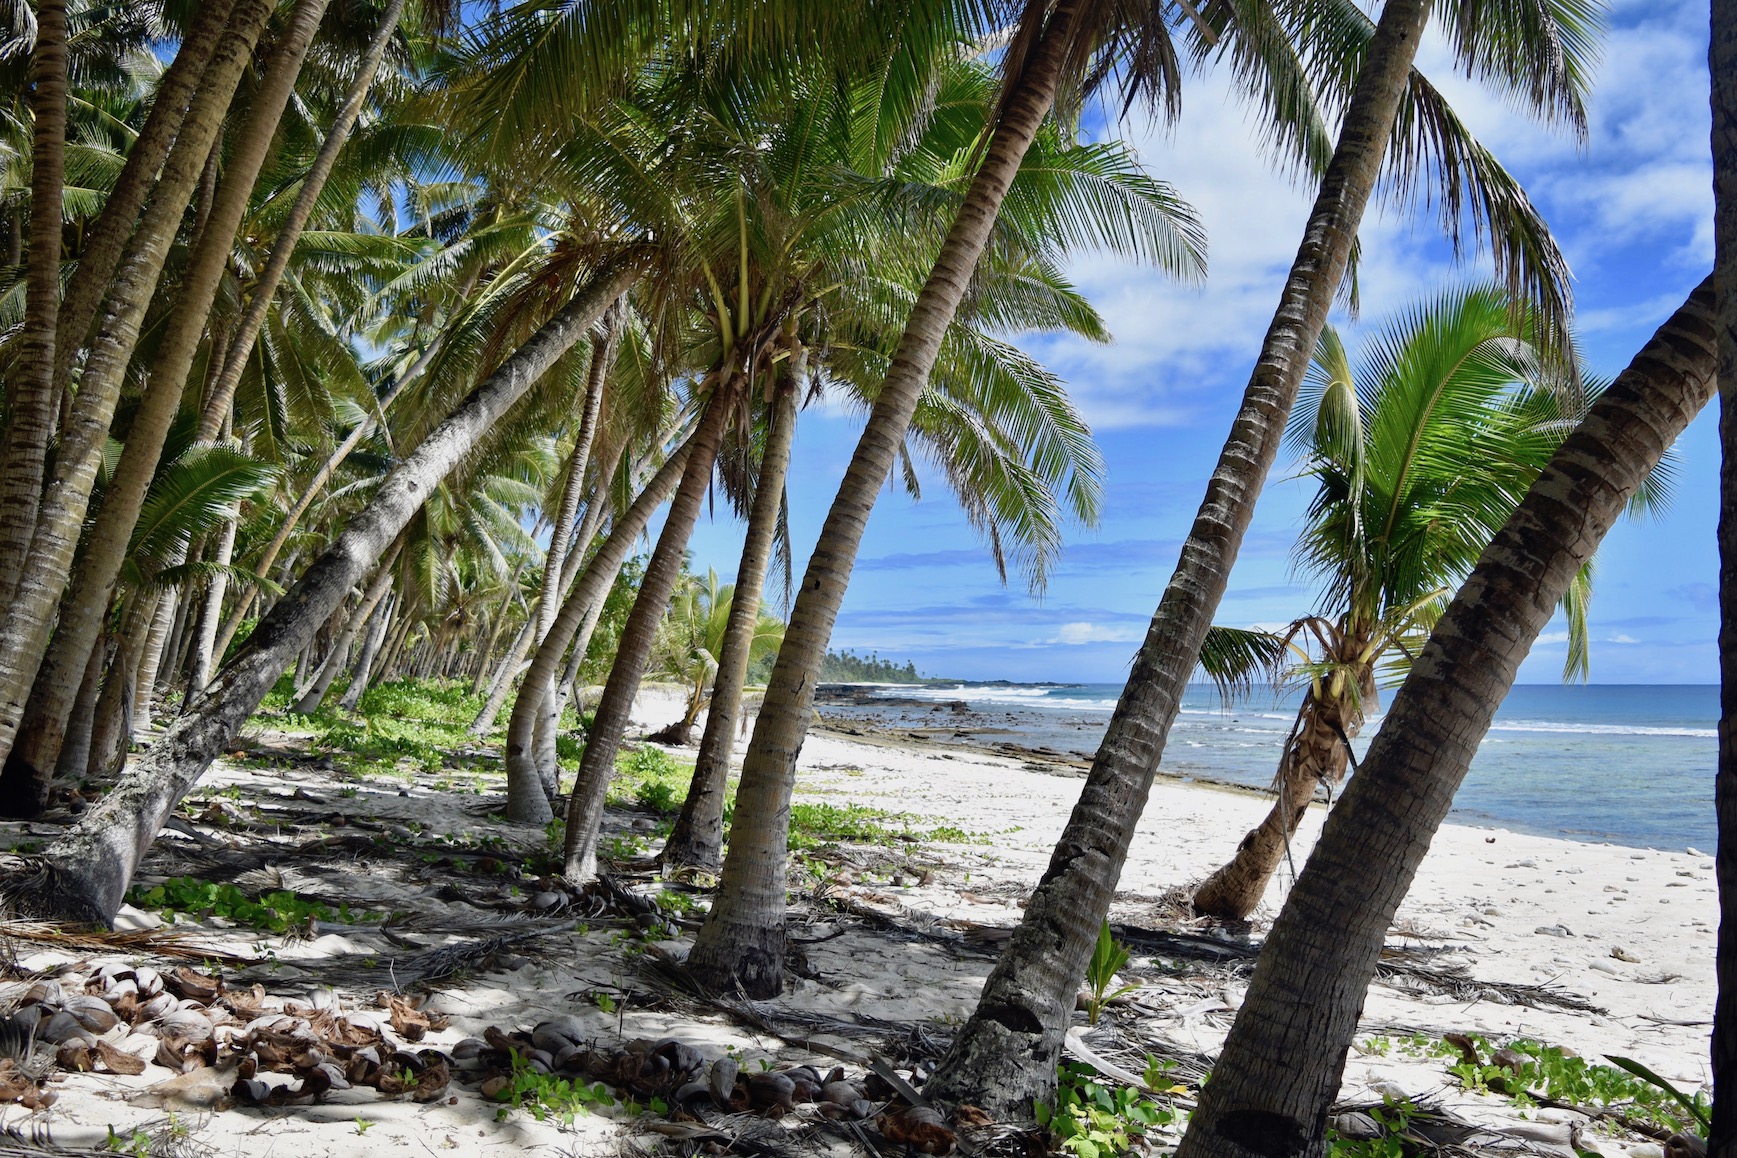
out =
column 1419, row 458
column 1281, row 1067
column 1007, row 1057
column 1722, row 60
column 691, row 638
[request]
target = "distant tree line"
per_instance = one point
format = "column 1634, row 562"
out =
column 849, row 667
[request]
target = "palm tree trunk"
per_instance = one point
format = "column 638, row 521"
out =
column 94, row 861
column 497, row 624
column 205, row 654
column 48, row 562
column 155, row 614
column 311, row 492
column 561, row 543
column 1316, row 755
column 30, row 402
column 596, row 510
column 615, row 709
column 105, row 548
column 1006, row 1055
column 561, row 534
column 75, row 750
column 1283, row 1061
column 313, row 184
column 547, row 698
column 113, row 723
column 387, row 660
column 106, row 237
column 1722, row 63
column 352, row 697
column 698, row 837
column 742, row 942
column 501, row 685
column 526, row 801
column 340, row 653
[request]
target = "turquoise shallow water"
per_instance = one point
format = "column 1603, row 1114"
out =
column 1629, row 764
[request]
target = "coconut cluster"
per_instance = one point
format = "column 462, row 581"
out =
column 114, row 1018
column 223, row 1041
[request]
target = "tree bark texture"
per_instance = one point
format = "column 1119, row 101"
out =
column 742, row 942
column 1006, row 1055
column 30, row 402
column 1722, row 63
column 75, row 750
column 205, row 657
column 1316, row 755
column 48, row 563
column 352, row 697
column 1283, row 1061
column 106, row 238
column 638, row 636
column 94, row 861
column 698, row 837
column 222, row 392
column 149, row 626
column 99, row 564
column 526, row 803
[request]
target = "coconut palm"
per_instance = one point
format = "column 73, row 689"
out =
column 1722, row 60
column 691, row 637
column 30, row 384
column 1053, row 52
column 1281, row 1065
column 47, row 564
column 828, row 249
column 1419, row 458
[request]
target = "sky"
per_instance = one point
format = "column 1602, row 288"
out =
column 1631, row 209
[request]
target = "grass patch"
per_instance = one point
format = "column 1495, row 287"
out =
column 400, row 722
column 650, row 778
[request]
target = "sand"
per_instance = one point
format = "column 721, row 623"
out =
column 1630, row 930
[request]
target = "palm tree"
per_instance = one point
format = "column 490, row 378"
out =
column 23, row 789
column 697, row 838
column 1281, row 1065
column 826, row 241
column 47, row 563
column 742, row 942
column 691, row 638
column 30, row 402
column 1419, row 459
column 93, row 865
column 1722, row 60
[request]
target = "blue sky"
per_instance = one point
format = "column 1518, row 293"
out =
column 1632, row 211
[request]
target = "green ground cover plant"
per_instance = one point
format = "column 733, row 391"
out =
column 274, row 912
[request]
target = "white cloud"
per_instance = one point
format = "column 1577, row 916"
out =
column 1077, row 633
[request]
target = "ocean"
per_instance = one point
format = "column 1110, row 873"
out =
column 1630, row 764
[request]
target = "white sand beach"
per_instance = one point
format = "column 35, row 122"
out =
column 1631, row 931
